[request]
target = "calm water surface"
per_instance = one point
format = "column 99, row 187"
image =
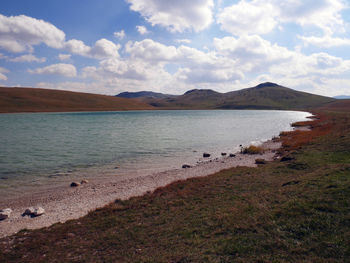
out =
column 45, row 145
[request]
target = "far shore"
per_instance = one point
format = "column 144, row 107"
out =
column 62, row 202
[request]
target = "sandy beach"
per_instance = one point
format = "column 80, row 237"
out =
column 62, row 202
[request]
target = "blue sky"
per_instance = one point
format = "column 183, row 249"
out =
column 110, row 46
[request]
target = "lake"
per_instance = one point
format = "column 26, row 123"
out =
column 36, row 146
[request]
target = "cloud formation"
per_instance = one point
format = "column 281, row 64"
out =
column 176, row 16
column 28, row 58
column 263, row 16
column 120, row 34
column 142, row 30
column 20, row 33
column 61, row 69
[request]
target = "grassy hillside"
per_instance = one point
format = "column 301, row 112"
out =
column 44, row 100
column 296, row 210
column 270, row 95
column 264, row 96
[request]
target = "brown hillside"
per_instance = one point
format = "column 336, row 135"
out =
column 45, row 100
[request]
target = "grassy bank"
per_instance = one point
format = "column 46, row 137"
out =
column 295, row 210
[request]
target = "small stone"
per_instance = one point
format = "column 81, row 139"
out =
column 186, row 166
column 5, row 213
column 29, row 211
column 84, row 181
column 286, row 159
column 34, row 211
column 206, row 155
column 232, row 155
column 260, row 161
column 38, row 211
column 74, row 184
column 223, row 154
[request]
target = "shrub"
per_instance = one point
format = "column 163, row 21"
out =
column 253, row 150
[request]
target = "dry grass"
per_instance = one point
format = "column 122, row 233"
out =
column 252, row 149
column 44, row 100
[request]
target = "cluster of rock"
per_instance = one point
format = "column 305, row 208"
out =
column 5, row 213
column 76, row 184
column 31, row 211
column 205, row 155
column 34, row 211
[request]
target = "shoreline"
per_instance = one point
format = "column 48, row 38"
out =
column 63, row 203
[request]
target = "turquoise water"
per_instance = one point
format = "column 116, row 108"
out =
column 54, row 144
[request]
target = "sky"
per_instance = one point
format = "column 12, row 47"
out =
column 111, row 46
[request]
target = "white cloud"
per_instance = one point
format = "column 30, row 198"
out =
column 255, row 17
column 176, row 16
column 325, row 41
column 263, row 16
column 142, row 30
column 3, row 71
column 66, row 70
column 103, row 48
column 28, row 58
column 20, row 33
column 185, row 41
column 120, row 34
column 252, row 53
column 150, row 50
column 64, row 56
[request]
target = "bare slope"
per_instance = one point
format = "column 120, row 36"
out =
column 44, row 100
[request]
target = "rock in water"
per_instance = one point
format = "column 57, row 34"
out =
column 223, row 154
column 186, row 166
column 205, row 155
column 74, row 184
column 232, row 155
column 5, row 213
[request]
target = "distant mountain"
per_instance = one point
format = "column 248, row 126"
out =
column 342, row 97
column 264, row 96
column 142, row 94
column 45, row 100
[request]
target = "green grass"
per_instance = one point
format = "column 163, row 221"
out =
column 294, row 211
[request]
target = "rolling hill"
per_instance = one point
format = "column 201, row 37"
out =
column 45, row 100
column 264, row 96
column 142, row 94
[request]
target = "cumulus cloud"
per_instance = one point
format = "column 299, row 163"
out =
column 263, row 16
column 3, row 71
column 252, row 53
column 65, row 70
column 64, row 56
column 28, row 58
column 120, row 34
column 20, row 33
column 256, row 17
column 142, row 30
column 325, row 41
column 176, row 16
column 103, row 48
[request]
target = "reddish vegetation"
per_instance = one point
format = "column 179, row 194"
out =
column 293, row 140
column 44, row 100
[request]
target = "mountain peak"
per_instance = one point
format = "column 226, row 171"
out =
column 267, row 84
column 200, row 91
